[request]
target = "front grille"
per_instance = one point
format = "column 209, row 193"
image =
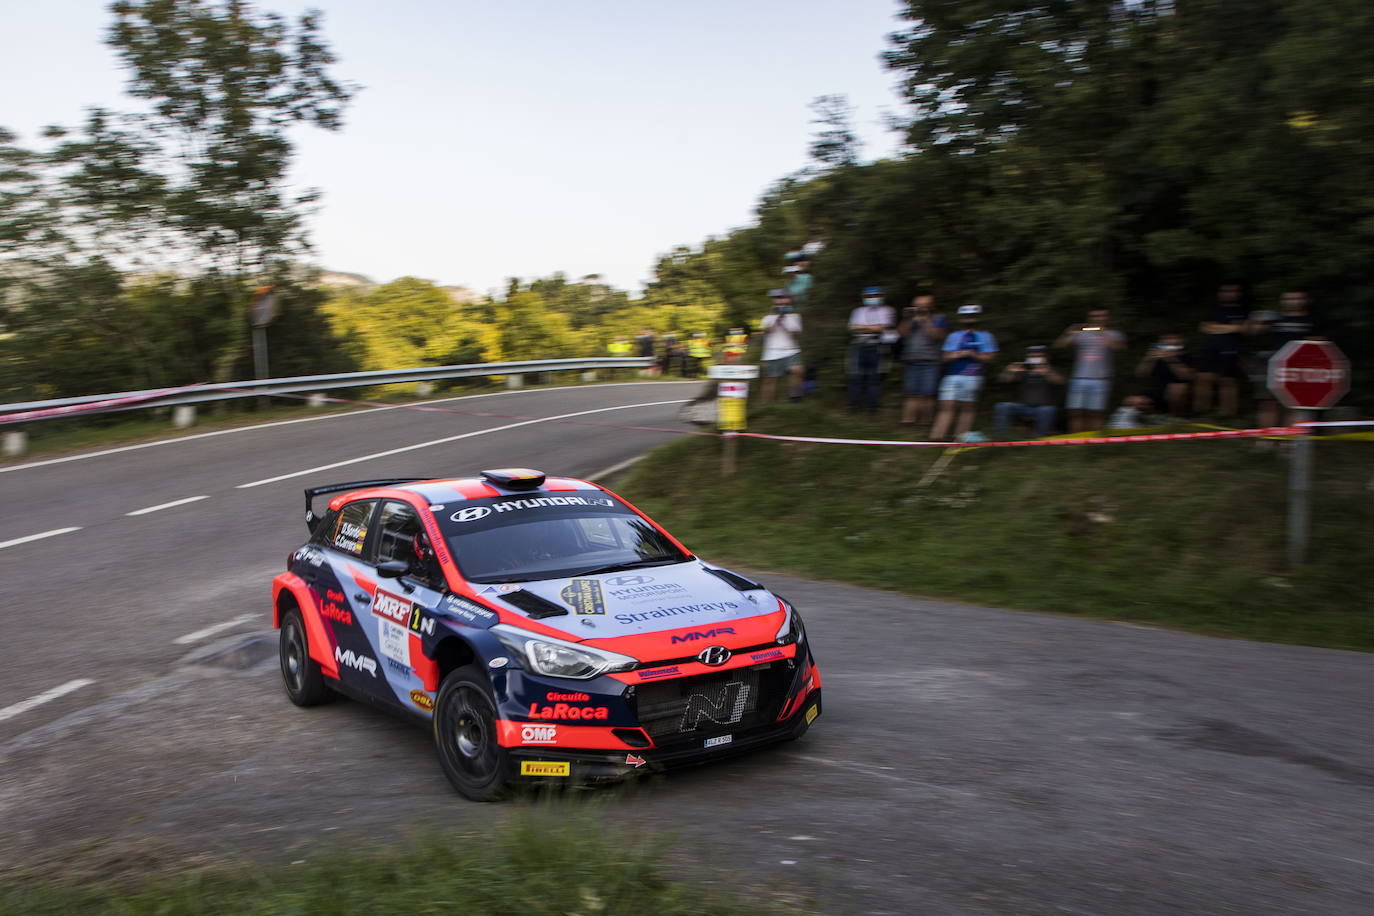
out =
column 688, row 709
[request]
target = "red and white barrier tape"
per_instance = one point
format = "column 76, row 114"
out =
column 1095, row 440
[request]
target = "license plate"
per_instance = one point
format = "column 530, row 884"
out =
column 717, row 742
column 544, row 768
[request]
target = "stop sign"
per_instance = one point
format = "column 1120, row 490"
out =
column 1311, row 374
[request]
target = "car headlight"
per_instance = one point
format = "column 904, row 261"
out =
column 792, row 629
column 556, row 658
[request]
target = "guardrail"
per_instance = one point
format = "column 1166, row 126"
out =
column 29, row 411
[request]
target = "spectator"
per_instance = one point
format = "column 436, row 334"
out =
column 1036, row 398
column 781, row 347
column 1090, row 383
column 799, row 281
column 1293, row 321
column 1131, row 413
column 868, row 324
column 698, row 354
column 645, row 345
column 1220, row 367
column 674, row 358
column 1168, row 370
column 923, row 330
column 966, row 351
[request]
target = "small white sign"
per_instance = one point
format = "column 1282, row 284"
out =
column 733, row 372
column 394, row 642
column 732, row 390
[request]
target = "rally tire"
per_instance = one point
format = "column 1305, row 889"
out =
column 300, row 674
column 465, row 736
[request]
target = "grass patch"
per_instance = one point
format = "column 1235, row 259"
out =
column 548, row 860
column 1188, row 535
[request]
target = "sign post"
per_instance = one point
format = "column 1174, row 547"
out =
column 1306, row 376
column 732, row 408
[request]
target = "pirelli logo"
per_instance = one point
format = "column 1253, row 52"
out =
column 544, row 768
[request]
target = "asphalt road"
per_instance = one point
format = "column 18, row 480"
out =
column 970, row 760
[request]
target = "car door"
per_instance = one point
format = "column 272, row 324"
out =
column 344, row 586
column 401, row 610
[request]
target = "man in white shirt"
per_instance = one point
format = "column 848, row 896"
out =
column 873, row 328
column 781, row 347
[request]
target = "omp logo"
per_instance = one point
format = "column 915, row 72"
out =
column 391, row 607
column 724, row 707
column 470, row 514
column 622, row 581
column 539, row 734
column 707, row 634
column 355, row 661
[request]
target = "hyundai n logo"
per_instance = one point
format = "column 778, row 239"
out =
column 724, row 707
column 704, row 634
column 623, row 581
column 714, row 655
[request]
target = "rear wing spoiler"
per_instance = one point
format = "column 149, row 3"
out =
column 312, row 520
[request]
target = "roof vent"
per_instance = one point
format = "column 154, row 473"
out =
column 515, row 478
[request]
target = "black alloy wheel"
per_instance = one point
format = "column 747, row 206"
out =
column 465, row 736
column 300, row 674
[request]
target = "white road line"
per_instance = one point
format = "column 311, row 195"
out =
column 37, row 537
column 198, row 635
column 332, row 416
column 170, row 505
column 9, row 712
column 447, row 439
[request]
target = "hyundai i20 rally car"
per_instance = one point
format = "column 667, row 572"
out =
column 545, row 627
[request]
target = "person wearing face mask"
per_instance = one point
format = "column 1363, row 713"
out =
column 870, row 326
column 966, row 351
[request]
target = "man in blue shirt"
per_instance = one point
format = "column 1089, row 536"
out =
column 966, row 351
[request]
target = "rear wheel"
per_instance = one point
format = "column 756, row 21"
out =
column 300, row 674
column 465, row 736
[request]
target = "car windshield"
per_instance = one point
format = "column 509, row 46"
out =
column 509, row 539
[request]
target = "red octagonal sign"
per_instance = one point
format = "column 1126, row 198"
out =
column 1311, row 374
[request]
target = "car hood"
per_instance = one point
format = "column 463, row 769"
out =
column 640, row 600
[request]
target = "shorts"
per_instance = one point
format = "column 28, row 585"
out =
column 920, row 379
column 960, row 388
column 1226, row 365
column 777, row 368
column 1088, row 393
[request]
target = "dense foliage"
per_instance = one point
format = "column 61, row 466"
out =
column 1059, row 154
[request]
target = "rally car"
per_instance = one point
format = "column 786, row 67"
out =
column 547, row 629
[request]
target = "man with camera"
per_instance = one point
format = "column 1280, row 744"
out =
column 781, row 347
column 1037, row 395
column 1090, row 383
column 1169, row 371
column 923, row 330
column 869, row 324
column 965, row 352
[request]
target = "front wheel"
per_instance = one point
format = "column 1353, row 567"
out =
column 300, row 674
column 465, row 736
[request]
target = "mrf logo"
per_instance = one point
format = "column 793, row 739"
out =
column 723, row 707
column 391, row 607
column 704, row 634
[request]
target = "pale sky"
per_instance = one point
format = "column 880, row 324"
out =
column 524, row 137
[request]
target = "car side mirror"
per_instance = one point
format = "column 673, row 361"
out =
column 393, row 569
